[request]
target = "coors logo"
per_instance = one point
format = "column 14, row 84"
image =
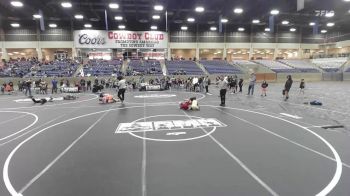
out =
column 85, row 39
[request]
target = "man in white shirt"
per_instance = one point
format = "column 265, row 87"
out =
column 223, row 83
column 122, row 88
column 252, row 81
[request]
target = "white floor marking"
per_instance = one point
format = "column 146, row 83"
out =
column 155, row 96
column 60, row 155
column 12, row 119
column 8, row 141
column 284, row 138
column 5, row 169
column 291, row 116
column 30, row 100
column 325, row 191
column 52, row 105
column 19, row 112
column 339, row 167
column 176, row 133
column 170, row 140
column 144, row 156
column 250, row 172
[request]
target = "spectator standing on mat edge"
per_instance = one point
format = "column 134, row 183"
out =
column 252, row 81
column 240, row 84
column 287, row 87
column 264, row 86
column 302, row 86
column 88, row 85
column 223, row 84
column 54, row 85
column 206, row 83
column 121, row 87
column 28, row 84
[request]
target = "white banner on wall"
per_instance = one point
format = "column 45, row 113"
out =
column 120, row 39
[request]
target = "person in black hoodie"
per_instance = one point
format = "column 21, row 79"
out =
column 240, row 84
column 302, row 86
column 287, row 87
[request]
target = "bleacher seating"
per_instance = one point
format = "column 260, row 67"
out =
column 220, row 67
column 183, row 67
column 146, row 67
column 55, row 69
column 243, row 62
column 17, row 68
column 103, row 68
column 329, row 64
column 277, row 66
column 302, row 65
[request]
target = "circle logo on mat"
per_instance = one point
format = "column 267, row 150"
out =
column 155, row 96
column 170, row 127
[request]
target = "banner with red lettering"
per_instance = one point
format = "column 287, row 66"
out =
column 120, row 39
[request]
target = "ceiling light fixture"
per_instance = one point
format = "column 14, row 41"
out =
column 256, row 21
column 36, row 16
column 79, row 16
column 190, row 20
column 292, row 29
column 52, row 25
column 213, row 28
column 118, row 18
column 16, row 4
column 66, row 4
column 312, row 23
column 285, row 22
column 224, row 20
column 156, row 17
column 241, row 29
column 154, row 27
column 323, row 31
column 113, row 5
column 199, row 9
column 87, row 25
column 158, row 7
column 238, row 10
column 184, row 28
column 267, row 29
column 330, row 24
column 121, row 27
column 274, row 12
column 15, row 25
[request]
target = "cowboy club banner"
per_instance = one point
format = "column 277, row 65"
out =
column 120, row 39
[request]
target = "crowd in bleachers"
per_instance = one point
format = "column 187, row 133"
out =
column 56, row 68
column 183, row 67
column 32, row 67
column 144, row 67
column 102, row 68
column 219, row 67
column 67, row 68
column 17, row 67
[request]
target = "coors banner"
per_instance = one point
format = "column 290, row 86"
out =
column 120, row 39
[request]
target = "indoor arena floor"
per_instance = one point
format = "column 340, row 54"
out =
column 254, row 146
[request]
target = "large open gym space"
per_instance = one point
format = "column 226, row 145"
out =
column 175, row 98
